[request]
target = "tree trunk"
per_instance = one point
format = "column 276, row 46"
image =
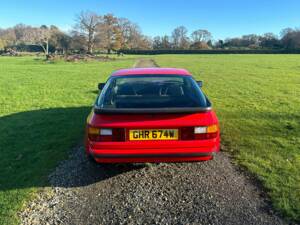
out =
column 65, row 52
column 90, row 43
column 45, row 50
column 47, row 47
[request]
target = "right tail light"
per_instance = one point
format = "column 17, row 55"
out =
column 199, row 133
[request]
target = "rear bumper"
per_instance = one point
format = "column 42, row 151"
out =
column 163, row 152
column 136, row 158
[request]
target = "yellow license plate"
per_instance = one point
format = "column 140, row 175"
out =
column 153, row 134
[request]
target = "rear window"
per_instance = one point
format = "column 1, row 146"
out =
column 151, row 91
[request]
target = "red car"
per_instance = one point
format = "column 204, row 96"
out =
column 151, row 115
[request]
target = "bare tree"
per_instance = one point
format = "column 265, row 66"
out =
column 61, row 41
column 291, row 38
column 131, row 34
column 8, row 37
column 165, row 42
column 269, row 40
column 161, row 42
column 86, row 24
column 2, row 44
column 144, row 42
column 180, row 38
column 250, row 39
column 20, row 30
column 285, row 31
column 38, row 36
column 201, row 36
column 78, row 42
column 157, row 43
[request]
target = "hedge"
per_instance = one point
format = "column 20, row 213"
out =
column 213, row 51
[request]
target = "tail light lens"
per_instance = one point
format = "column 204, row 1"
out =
column 106, row 134
column 187, row 133
column 199, row 133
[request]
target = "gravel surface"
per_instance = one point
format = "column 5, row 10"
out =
column 211, row 192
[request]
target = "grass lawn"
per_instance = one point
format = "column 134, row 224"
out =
column 43, row 110
column 257, row 99
column 42, row 115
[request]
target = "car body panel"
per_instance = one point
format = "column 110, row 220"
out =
column 151, row 71
column 161, row 150
column 129, row 151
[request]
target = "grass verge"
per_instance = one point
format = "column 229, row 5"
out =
column 42, row 115
column 257, row 99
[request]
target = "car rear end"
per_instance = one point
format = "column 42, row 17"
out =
column 152, row 122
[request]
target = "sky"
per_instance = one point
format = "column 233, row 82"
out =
column 223, row 18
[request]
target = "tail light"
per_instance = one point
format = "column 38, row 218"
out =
column 106, row 134
column 199, row 133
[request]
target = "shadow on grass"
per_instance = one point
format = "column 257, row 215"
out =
column 33, row 143
column 96, row 92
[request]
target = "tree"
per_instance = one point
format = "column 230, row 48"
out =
column 2, row 40
column 38, row 36
column 290, row 38
column 78, row 42
column 61, row 41
column 269, row 40
column 86, row 24
column 286, row 31
column 144, row 42
column 2, row 44
column 201, row 36
column 199, row 45
column 180, row 38
column 219, row 44
column 20, row 30
column 109, row 33
column 126, row 28
column 132, row 36
column 246, row 41
column 157, row 43
column 165, row 42
column 250, row 39
column 8, row 37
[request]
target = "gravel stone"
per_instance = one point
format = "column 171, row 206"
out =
column 211, row 192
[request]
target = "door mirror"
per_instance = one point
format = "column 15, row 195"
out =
column 199, row 82
column 101, row 86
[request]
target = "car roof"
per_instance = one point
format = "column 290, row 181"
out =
column 151, row 71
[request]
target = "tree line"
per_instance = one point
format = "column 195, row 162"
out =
column 202, row 39
column 90, row 32
column 94, row 33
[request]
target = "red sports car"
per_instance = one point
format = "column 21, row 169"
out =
column 151, row 115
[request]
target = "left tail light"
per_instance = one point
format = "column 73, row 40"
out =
column 106, row 134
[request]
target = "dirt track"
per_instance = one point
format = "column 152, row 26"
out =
column 212, row 192
column 145, row 63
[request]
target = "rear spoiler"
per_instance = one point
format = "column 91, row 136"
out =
column 99, row 110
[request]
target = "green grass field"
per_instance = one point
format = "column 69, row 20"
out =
column 43, row 110
column 42, row 116
column 257, row 99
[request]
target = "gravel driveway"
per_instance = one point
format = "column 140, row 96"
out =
column 211, row 192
